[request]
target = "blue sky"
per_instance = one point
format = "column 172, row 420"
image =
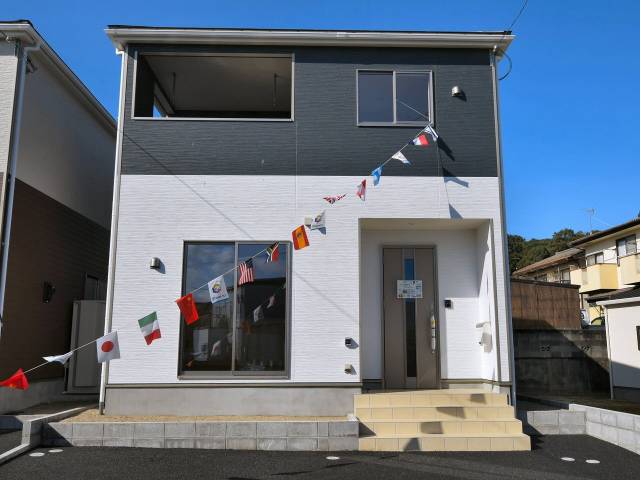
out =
column 569, row 107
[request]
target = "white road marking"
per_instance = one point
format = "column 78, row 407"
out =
column 592, row 460
column 331, row 457
column 55, row 450
column 37, row 454
column 568, row 459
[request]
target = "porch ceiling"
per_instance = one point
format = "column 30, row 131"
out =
column 420, row 223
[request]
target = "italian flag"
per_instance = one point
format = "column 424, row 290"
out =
column 150, row 327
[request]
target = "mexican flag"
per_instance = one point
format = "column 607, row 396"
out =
column 150, row 327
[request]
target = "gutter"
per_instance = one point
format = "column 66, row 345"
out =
column 123, row 35
column 115, row 209
column 22, row 53
column 503, row 222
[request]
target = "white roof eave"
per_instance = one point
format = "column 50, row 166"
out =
column 121, row 36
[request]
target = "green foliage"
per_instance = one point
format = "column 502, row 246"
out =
column 523, row 252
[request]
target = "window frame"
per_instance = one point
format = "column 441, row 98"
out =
column 628, row 239
column 231, row 374
column 395, row 123
column 191, row 53
column 595, row 256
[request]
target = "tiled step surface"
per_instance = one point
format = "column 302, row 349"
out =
column 438, row 420
column 407, row 427
column 446, row 443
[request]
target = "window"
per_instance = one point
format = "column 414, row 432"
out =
column 595, row 259
column 221, row 87
column 626, row 246
column 541, row 278
column 246, row 334
column 565, row 275
column 394, row 98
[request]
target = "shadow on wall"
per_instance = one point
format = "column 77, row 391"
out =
column 561, row 361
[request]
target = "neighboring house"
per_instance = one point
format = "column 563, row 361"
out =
column 611, row 279
column 555, row 268
column 56, row 169
column 228, row 139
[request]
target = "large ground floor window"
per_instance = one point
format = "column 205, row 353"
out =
column 247, row 333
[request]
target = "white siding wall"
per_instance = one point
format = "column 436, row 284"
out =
column 65, row 151
column 623, row 343
column 158, row 213
column 8, row 68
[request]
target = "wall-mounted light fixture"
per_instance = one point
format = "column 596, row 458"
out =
column 457, row 92
column 348, row 368
column 155, row 263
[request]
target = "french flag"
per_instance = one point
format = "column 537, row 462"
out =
column 421, row 140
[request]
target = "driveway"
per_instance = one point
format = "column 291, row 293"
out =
column 544, row 462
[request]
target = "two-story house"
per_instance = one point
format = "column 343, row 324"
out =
column 57, row 144
column 227, row 140
column 610, row 277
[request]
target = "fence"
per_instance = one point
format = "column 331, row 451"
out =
column 544, row 305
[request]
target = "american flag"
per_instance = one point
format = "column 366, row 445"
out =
column 246, row 272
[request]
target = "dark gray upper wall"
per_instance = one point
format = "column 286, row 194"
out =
column 324, row 138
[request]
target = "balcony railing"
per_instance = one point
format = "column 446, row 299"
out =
column 630, row 269
column 602, row 276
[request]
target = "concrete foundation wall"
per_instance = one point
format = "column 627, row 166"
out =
column 561, row 361
column 315, row 436
column 261, row 400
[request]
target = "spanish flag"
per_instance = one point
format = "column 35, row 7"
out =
column 300, row 239
column 17, row 380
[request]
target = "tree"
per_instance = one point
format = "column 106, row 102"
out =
column 523, row 252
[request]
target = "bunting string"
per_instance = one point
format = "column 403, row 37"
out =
column 330, row 199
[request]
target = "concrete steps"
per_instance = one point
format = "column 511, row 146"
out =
column 438, row 420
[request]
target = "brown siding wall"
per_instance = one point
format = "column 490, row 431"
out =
column 49, row 242
column 544, row 306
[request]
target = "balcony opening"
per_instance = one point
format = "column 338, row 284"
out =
column 213, row 87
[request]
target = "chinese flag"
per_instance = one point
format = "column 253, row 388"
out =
column 300, row 239
column 188, row 308
column 17, row 380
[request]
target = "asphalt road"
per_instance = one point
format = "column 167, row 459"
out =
column 9, row 439
column 544, row 462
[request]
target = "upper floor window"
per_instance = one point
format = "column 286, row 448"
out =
column 541, row 278
column 221, row 87
column 388, row 97
column 565, row 275
column 595, row 259
column 626, row 246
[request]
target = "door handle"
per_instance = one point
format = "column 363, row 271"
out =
column 432, row 323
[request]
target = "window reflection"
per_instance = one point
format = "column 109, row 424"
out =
column 258, row 321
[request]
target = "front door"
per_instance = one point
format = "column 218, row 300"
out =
column 410, row 318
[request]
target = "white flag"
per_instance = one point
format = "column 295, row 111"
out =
column 107, row 347
column 217, row 290
column 429, row 129
column 318, row 222
column 62, row 359
column 258, row 314
column 400, row 156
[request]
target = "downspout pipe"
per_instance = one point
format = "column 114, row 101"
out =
column 22, row 52
column 115, row 208
column 503, row 221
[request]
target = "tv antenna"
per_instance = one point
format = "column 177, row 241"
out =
column 591, row 212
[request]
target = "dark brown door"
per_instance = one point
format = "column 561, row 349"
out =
column 410, row 318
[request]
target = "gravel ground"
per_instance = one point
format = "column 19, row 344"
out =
column 92, row 415
column 544, row 462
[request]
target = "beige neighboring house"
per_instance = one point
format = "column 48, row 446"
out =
column 556, row 268
column 610, row 279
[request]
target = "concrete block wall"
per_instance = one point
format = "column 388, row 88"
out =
column 553, row 422
column 308, row 436
column 619, row 428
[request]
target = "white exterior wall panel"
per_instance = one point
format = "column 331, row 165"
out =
column 158, row 213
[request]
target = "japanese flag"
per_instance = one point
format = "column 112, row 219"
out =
column 107, row 347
